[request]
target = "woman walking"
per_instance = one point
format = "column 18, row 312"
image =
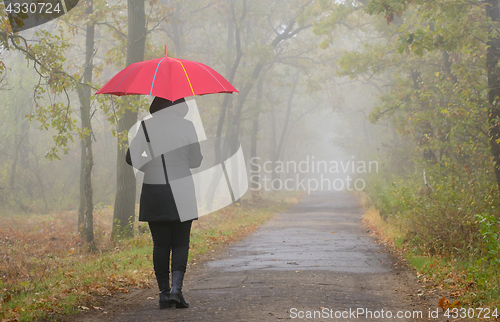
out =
column 181, row 151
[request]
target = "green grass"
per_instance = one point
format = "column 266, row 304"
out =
column 399, row 241
column 465, row 281
column 81, row 281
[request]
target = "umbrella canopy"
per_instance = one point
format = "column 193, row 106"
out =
column 166, row 77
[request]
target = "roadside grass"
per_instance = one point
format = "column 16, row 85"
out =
column 46, row 270
column 467, row 282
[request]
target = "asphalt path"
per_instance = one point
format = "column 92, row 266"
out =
column 315, row 261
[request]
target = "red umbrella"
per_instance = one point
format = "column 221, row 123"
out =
column 166, row 77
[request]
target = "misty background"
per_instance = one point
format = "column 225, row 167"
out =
column 304, row 108
column 404, row 85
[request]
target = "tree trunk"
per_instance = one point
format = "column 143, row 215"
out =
column 272, row 140
column 177, row 35
column 281, row 144
column 233, row 127
column 492, row 58
column 124, row 207
column 254, row 140
column 18, row 145
column 233, row 34
column 21, row 149
column 86, row 209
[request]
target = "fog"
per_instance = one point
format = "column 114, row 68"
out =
column 298, row 78
column 321, row 83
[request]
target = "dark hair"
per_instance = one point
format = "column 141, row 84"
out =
column 160, row 103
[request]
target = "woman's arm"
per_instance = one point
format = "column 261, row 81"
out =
column 195, row 156
column 128, row 159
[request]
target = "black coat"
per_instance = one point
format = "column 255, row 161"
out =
column 157, row 201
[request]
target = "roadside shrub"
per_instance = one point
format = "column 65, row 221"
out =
column 439, row 218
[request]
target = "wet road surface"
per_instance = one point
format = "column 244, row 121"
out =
column 316, row 256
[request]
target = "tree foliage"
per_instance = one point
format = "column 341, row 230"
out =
column 431, row 63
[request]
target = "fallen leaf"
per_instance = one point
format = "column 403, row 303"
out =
column 444, row 304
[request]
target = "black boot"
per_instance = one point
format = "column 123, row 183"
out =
column 176, row 297
column 164, row 286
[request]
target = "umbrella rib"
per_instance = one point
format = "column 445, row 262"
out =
column 151, row 91
column 124, row 78
column 189, row 81
column 211, row 75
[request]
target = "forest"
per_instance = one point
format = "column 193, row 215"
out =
column 411, row 86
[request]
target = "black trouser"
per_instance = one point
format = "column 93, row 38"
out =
column 170, row 235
